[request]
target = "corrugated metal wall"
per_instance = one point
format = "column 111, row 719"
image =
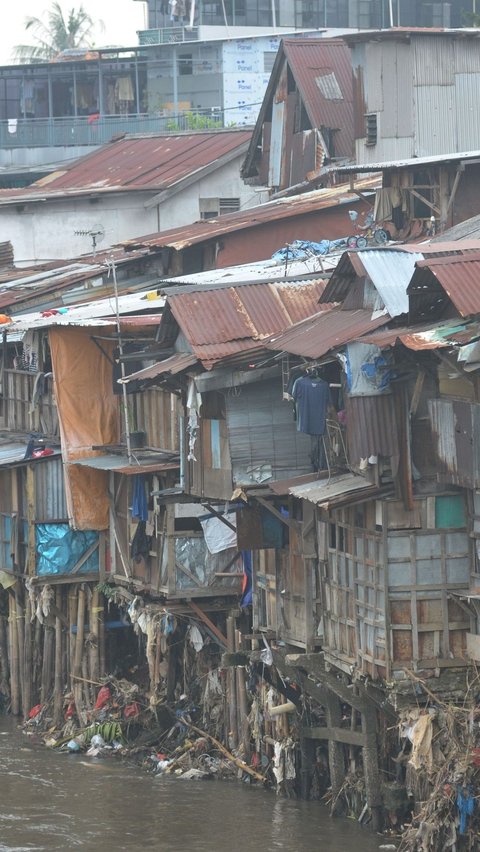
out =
column 426, row 94
column 264, row 442
column 455, row 425
column 50, row 503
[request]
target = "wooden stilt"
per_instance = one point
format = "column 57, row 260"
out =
column 27, row 652
column 14, row 663
column 77, row 663
column 58, row 688
column 243, row 728
column 20, row 625
column 4, row 667
column 232, row 686
column 47, row 664
column 102, row 650
column 336, row 758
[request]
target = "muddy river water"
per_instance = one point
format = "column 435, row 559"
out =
column 51, row 801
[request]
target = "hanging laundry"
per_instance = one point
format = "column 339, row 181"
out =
column 139, row 501
column 312, row 399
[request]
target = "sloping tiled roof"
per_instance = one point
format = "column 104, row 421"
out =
column 152, row 163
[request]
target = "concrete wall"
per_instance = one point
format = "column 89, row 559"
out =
column 47, row 229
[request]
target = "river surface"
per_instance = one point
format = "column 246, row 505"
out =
column 55, row 801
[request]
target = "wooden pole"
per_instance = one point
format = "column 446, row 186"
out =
column 4, row 667
column 94, row 630
column 27, row 651
column 47, row 664
column 58, row 688
column 232, row 686
column 102, row 650
column 243, row 730
column 20, row 626
column 14, row 663
column 77, row 663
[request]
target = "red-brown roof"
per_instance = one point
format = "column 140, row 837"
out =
column 223, row 322
column 137, row 163
column 457, row 275
column 272, row 211
column 322, row 69
column 315, row 336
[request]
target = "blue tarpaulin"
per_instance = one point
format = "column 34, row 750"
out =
column 303, row 249
column 59, row 548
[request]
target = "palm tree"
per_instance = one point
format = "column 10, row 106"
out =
column 59, row 32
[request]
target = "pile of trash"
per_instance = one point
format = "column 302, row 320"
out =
column 162, row 738
column 441, row 759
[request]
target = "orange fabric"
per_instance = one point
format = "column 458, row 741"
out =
column 88, row 412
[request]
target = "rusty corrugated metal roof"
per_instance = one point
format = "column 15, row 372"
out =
column 316, row 335
column 431, row 336
column 136, row 163
column 322, row 69
column 253, row 217
column 458, row 277
column 173, row 365
column 219, row 323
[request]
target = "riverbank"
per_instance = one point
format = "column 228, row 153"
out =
column 55, row 801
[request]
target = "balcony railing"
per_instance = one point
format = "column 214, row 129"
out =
column 81, row 130
column 167, row 35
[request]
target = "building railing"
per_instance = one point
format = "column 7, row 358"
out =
column 167, row 35
column 83, row 130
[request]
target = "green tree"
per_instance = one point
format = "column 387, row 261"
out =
column 58, row 31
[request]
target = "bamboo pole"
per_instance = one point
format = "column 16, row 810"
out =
column 243, row 731
column 58, row 688
column 14, row 663
column 37, row 660
column 20, row 627
column 4, row 667
column 94, row 630
column 77, row 662
column 27, row 652
column 102, row 651
column 47, row 664
column 226, row 752
column 72, row 619
column 232, row 686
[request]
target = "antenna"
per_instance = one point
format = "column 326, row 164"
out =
column 96, row 233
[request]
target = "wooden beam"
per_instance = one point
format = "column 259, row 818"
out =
column 273, row 511
column 425, row 201
column 339, row 735
column 219, row 516
column 206, row 620
column 458, row 175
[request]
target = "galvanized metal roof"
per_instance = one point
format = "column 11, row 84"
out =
column 458, row 277
column 119, row 464
column 253, row 217
column 318, row 334
column 323, row 491
column 221, row 322
column 136, row 163
column 390, row 274
column 412, row 162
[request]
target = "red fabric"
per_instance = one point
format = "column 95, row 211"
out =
column 103, row 697
column 131, row 711
column 35, row 711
